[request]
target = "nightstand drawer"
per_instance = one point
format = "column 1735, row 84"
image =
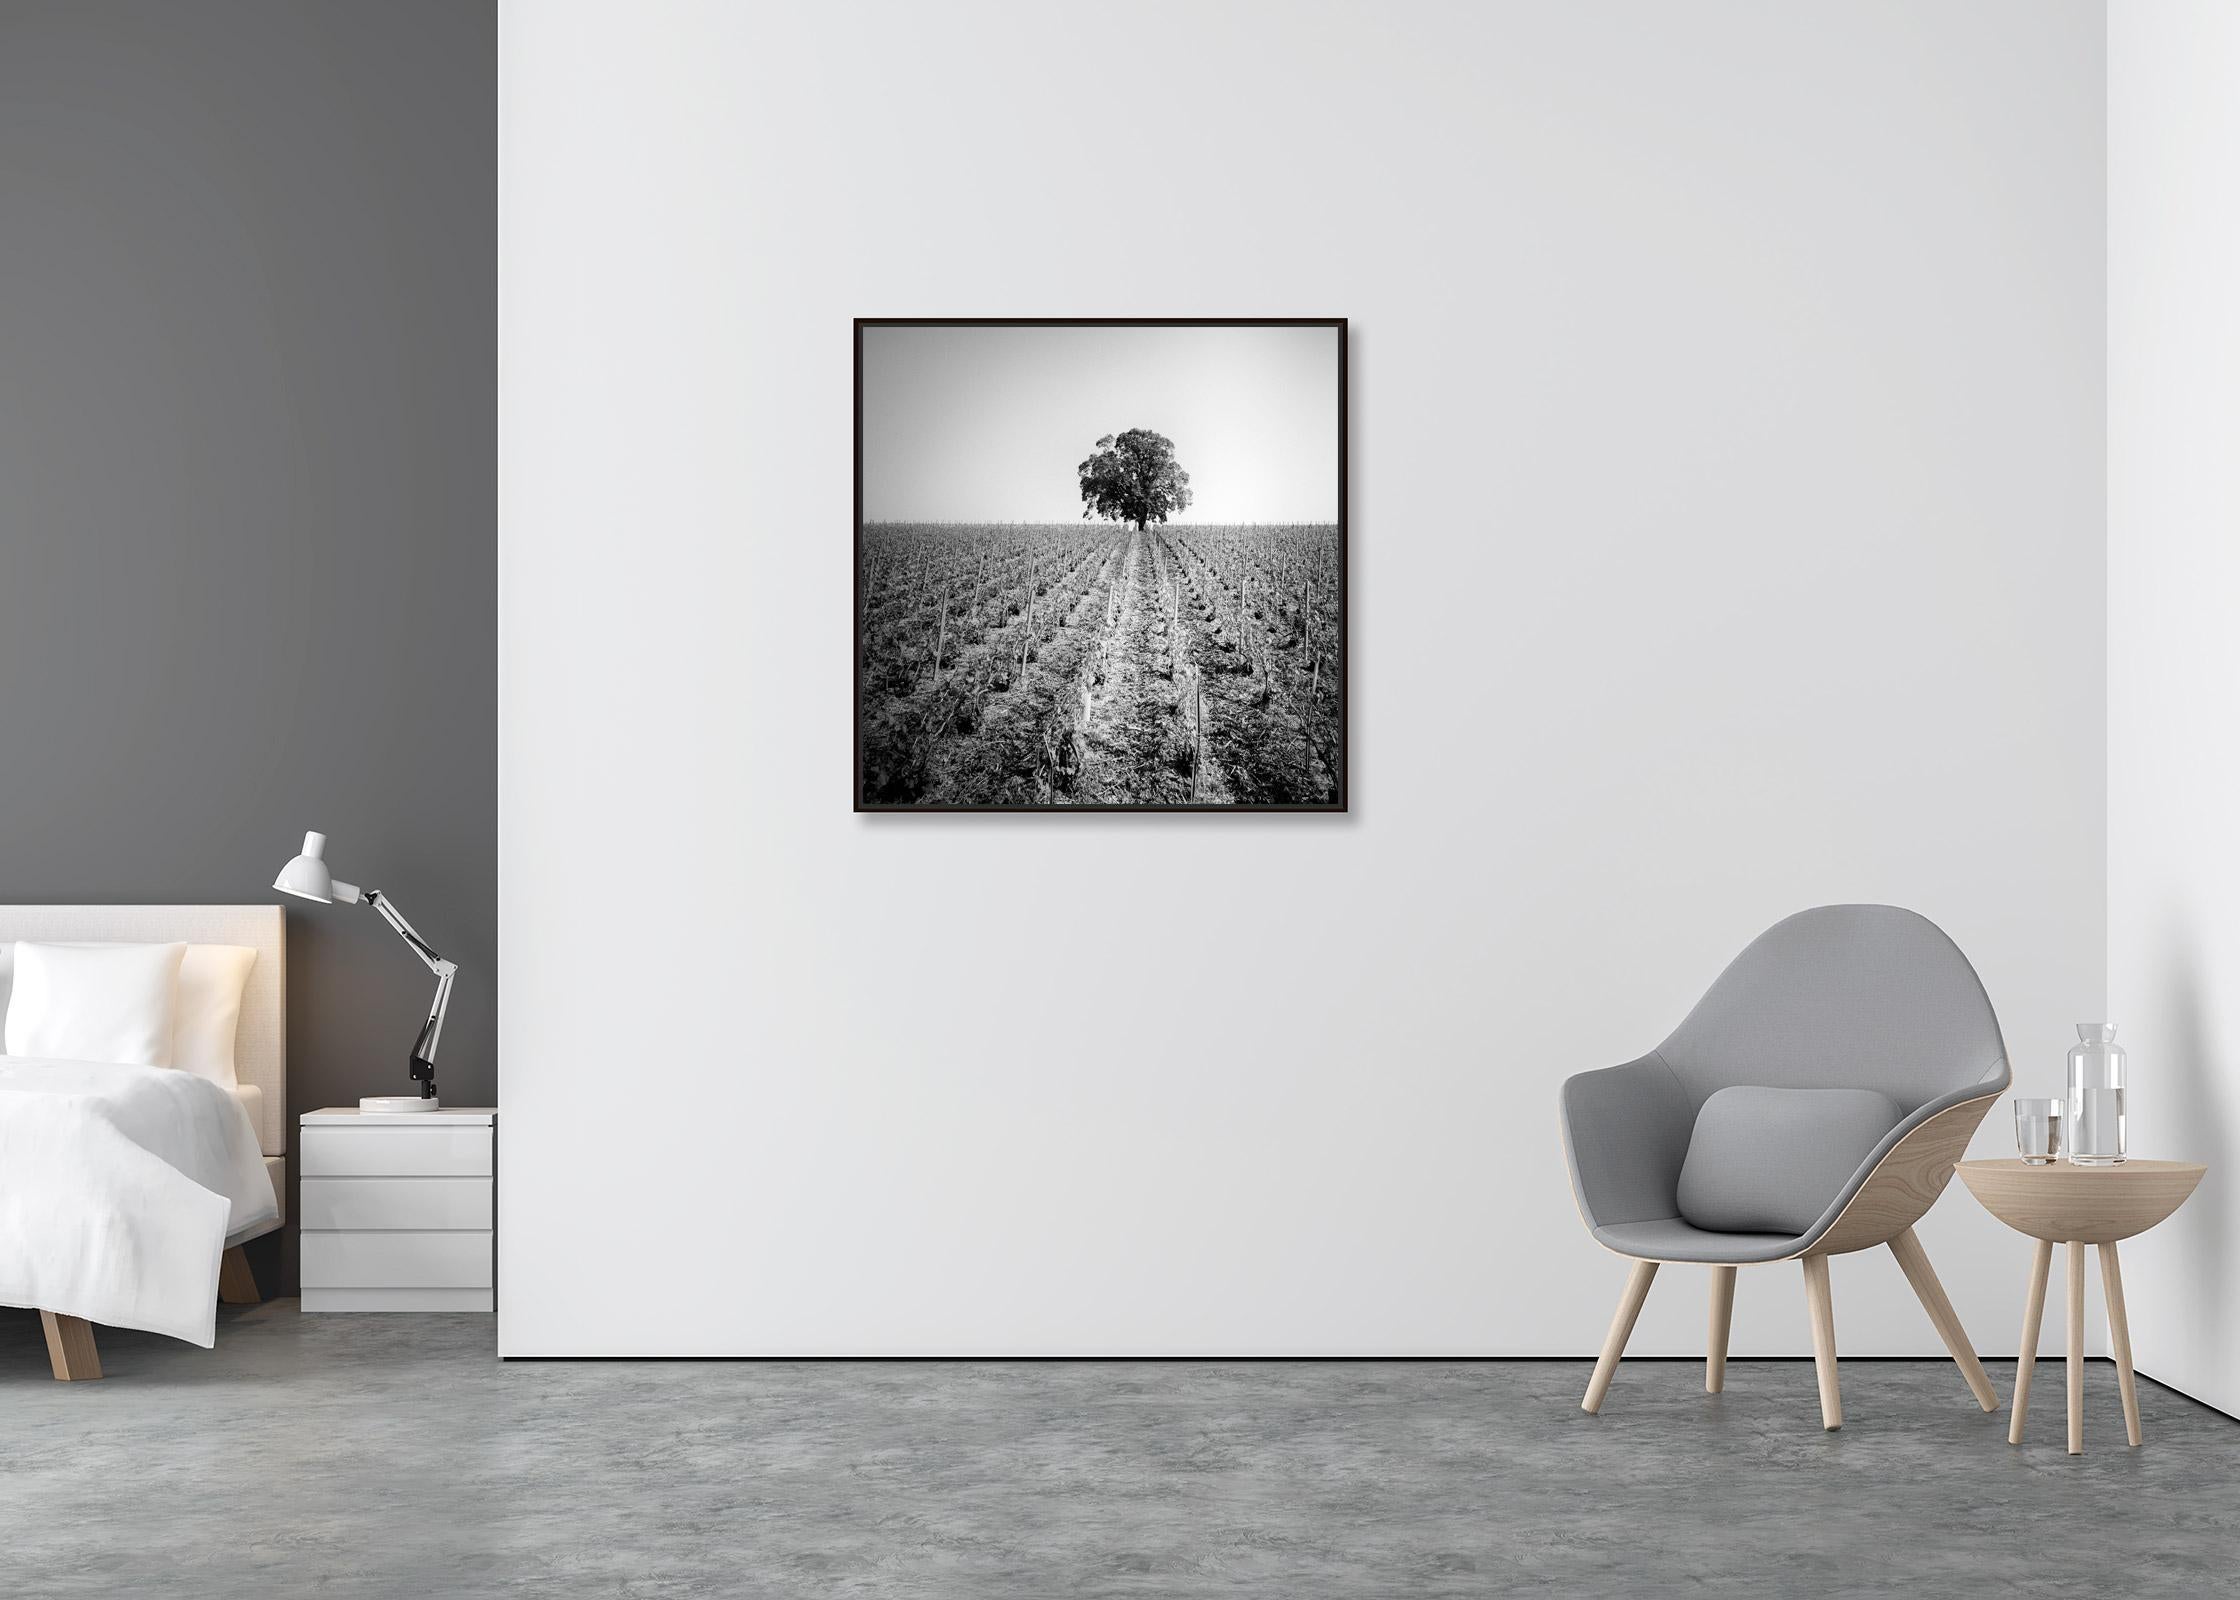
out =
column 420, row 1203
column 372, row 1152
column 410, row 1260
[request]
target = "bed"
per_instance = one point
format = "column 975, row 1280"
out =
column 157, row 1176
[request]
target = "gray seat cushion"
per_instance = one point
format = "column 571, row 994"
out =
column 1670, row 1239
column 1771, row 1161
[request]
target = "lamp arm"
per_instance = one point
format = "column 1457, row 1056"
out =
column 405, row 930
column 431, row 1031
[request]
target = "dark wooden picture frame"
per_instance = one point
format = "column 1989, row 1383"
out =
column 1252, row 653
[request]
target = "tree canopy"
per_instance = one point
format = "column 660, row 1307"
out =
column 1134, row 477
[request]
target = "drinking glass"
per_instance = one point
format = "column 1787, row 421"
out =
column 2037, row 1130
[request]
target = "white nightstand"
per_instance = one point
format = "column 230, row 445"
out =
column 399, row 1213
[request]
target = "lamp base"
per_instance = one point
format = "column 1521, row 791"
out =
column 390, row 1105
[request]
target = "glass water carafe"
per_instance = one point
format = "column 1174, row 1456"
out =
column 2096, row 1074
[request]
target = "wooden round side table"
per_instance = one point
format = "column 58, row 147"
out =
column 2076, row 1206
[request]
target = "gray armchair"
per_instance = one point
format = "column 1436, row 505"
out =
column 1845, row 1059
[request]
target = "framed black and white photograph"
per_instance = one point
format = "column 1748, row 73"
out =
column 1100, row 565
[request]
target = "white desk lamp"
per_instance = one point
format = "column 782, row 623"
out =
column 307, row 875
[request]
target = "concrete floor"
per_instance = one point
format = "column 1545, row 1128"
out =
column 396, row 1456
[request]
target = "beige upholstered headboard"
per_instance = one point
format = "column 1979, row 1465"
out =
column 260, row 1045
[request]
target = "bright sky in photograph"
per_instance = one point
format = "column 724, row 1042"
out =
column 991, row 424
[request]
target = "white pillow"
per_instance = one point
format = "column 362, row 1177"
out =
column 211, row 979
column 95, row 1002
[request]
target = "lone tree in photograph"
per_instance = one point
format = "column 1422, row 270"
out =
column 1134, row 477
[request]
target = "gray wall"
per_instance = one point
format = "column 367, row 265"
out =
column 248, row 339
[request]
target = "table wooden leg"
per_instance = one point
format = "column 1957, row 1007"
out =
column 2076, row 1347
column 2033, row 1317
column 2119, row 1338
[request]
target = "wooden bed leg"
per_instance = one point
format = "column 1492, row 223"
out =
column 70, row 1347
column 237, row 1285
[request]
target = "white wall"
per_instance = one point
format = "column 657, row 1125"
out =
column 1727, row 489
column 2174, row 658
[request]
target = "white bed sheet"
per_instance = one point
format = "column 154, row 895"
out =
column 119, row 1187
column 276, row 1168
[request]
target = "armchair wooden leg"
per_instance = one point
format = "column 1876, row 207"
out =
column 70, row 1348
column 1722, row 1319
column 2033, row 1318
column 1621, row 1329
column 1931, row 1293
column 1823, row 1340
column 237, row 1285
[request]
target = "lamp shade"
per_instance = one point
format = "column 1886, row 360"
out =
column 307, row 875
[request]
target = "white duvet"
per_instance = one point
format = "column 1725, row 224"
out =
column 118, row 1189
